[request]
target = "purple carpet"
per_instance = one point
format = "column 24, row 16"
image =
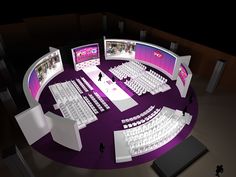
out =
column 108, row 121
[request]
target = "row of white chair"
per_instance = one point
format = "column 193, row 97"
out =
column 128, row 69
column 86, row 83
column 141, row 121
column 71, row 103
column 147, row 83
column 99, row 106
column 90, row 105
column 74, row 110
column 161, row 117
column 155, row 141
column 120, row 75
column 151, row 135
column 155, row 136
column 158, row 129
column 155, row 74
column 132, row 69
column 101, row 100
column 131, row 119
column 82, row 85
column 135, row 87
column 77, row 87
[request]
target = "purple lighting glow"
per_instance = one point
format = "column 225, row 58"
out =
column 155, row 56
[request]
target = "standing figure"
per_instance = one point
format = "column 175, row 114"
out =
column 100, row 76
column 190, row 98
column 101, row 147
column 113, row 78
column 185, row 110
column 219, row 169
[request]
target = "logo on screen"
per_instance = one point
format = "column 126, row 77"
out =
column 158, row 54
column 86, row 52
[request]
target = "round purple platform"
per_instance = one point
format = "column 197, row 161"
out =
column 109, row 121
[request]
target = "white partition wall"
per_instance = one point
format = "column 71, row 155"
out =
column 183, row 79
column 33, row 123
column 64, row 131
column 185, row 59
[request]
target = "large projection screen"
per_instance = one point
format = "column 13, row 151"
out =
column 85, row 56
column 152, row 55
column 40, row 73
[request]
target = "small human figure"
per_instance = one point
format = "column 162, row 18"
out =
column 219, row 169
column 185, row 110
column 100, row 76
column 113, row 78
column 101, row 147
column 190, row 98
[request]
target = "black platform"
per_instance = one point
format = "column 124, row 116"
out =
column 179, row 158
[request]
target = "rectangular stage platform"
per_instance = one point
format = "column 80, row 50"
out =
column 179, row 158
column 113, row 92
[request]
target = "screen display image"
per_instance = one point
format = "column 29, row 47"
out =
column 120, row 49
column 156, row 57
column 183, row 74
column 34, row 85
column 47, row 68
column 86, row 53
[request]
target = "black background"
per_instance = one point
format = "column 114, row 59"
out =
column 211, row 24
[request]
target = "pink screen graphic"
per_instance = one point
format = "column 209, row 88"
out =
column 86, row 53
column 183, row 74
column 156, row 57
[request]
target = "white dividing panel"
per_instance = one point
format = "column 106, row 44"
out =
column 183, row 83
column 64, row 131
column 180, row 60
column 122, row 150
column 33, row 123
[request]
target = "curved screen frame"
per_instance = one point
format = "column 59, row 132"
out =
column 31, row 100
column 177, row 62
column 183, row 88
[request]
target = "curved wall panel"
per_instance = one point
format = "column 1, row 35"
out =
column 152, row 55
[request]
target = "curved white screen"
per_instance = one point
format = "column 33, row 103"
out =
column 41, row 72
column 155, row 56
